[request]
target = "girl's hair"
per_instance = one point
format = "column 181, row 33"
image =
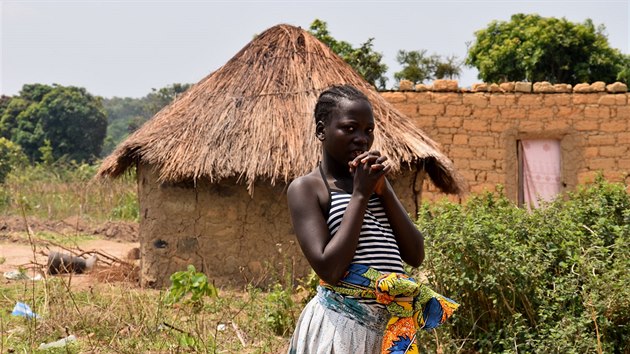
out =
column 329, row 99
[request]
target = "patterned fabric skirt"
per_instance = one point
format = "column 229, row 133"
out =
column 333, row 323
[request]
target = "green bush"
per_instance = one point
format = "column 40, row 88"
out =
column 11, row 157
column 554, row 280
column 193, row 283
column 279, row 310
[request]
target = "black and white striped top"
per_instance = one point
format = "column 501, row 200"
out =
column 377, row 245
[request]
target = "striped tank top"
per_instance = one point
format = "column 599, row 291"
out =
column 377, row 245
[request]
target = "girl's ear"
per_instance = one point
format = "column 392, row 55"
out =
column 319, row 131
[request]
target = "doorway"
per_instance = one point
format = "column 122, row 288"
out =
column 539, row 171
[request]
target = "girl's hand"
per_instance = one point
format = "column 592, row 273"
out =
column 369, row 171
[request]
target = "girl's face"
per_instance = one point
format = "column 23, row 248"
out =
column 350, row 130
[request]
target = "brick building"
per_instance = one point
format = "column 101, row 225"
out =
column 483, row 131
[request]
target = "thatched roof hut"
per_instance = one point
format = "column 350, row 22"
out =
column 253, row 119
column 251, row 122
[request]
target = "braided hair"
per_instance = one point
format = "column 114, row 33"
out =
column 329, row 100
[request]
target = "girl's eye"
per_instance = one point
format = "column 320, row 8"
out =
column 349, row 129
column 370, row 131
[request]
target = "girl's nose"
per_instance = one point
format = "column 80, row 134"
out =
column 361, row 138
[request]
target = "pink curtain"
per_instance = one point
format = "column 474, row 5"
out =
column 542, row 179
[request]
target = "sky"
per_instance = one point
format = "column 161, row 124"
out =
column 126, row 48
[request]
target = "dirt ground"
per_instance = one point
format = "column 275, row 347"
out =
column 113, row 244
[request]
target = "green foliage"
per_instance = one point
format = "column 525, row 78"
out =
column 35, row 92
column 364, row 60
column 535, row 48
column 551, row 280
column 11, row 156
column 71, row 119
column 66, row 189
column 624, row 73
column 190, row 282
column 127, row 207
column 419, row 67
column 279, row 307
column 308, row 286
column 46, row 152
column 448, row 68
column 158, row 99
column 126, row 115
column 12, row 107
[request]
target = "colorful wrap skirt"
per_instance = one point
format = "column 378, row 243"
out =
column 334, row 323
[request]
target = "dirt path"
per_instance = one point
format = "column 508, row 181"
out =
column 21, row 255
column 116, row 239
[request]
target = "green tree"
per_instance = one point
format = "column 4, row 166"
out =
column 624, row 74
column 126, row 115
column 9, row 115
column 419, row 67
column 11, row 156
column 535, row 48
column 71, row 119
column 450, row 68
column 160, row 98
column 35, row 92
column 319, row 29
column 364, row 60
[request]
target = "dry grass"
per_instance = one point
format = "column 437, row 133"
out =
column 122, row 318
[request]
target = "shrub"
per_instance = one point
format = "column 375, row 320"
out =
column 190, row 282
column 11, row 156
column 279, row 310
column 551, row 280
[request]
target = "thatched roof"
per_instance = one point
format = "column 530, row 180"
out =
column 253, row 119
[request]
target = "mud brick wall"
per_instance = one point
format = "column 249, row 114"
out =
column 479, row 132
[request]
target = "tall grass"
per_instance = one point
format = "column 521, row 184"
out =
column 59, row 191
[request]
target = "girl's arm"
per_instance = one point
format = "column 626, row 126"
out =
column 410, row 240
column 329, row 256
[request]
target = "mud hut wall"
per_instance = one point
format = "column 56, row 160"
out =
column 479, row 132
column 219, row 228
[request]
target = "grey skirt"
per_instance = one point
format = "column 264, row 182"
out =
column 332, row 323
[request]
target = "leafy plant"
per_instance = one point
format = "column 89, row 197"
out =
column 11, row 157
column 279, row 307
column 551, row 280
column 190, row 282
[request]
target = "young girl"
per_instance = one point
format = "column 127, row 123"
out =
column 350, row 225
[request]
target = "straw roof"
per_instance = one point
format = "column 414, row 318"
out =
column 253, row 119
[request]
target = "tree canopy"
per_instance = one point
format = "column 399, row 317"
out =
column 67, row 120
column 534, row 48
column 419, row 67
column 364, row 60
column 126, row 115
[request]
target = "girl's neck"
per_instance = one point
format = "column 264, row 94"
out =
column 337, row 172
